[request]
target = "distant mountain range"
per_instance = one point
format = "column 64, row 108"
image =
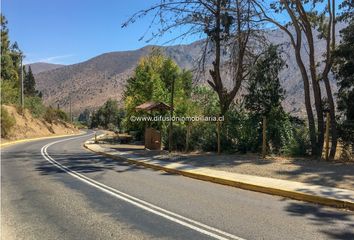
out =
column 89, row 84
column 39, row 67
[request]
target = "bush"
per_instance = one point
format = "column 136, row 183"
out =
column 7, row 122
column 203, row 136
column 9, row 92
column 299, row 144
column 61, row 115
column 241, row 132
column 178, row 137
column 52, row 114
column 35, row 105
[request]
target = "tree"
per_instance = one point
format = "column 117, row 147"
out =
column 158, row 78
column 344, row 72
column 265, row 95
column 264, row 90
column 29, row 83
column 152, row 81
column 107, row 116
column 303, row 17
column 230, row 28
column 84, row 117
column 10, row 66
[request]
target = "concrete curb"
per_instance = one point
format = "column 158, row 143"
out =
column 307, row 197
column 3, row 145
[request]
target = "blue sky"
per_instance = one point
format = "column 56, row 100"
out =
column 71, row 31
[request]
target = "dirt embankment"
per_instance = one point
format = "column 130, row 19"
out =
column 29, row 127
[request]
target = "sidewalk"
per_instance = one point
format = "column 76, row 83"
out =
column 331, row 196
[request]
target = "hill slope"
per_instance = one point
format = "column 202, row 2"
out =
column 39, row 67
column 27, row 126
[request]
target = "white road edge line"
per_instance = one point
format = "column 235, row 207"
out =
column 135, row 201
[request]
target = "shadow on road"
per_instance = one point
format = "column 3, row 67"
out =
column 327, row 217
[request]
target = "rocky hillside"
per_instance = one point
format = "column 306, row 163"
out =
column 26, row 126
column 89, row 84
column 43, row 67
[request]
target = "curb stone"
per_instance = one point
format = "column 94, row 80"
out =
column 302, row 196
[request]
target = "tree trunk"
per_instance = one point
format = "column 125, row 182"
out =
column 310, row 118
column 332, row 113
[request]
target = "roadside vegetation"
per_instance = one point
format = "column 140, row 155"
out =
column 254, row 96
column 11, row 87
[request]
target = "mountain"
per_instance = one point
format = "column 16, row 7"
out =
column 89, row 84
column 39, row 67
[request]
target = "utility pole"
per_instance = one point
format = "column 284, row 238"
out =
column 70, row 112
column 22, row 97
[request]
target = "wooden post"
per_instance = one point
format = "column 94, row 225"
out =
column 95, row 137
column 171, row 115
column 264, row 137
column 218, row 133
column 327, row 136
column 187, row 136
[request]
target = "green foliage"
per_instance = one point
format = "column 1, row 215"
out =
column 344, row 72
column 108, row 116
column 152, row 81
column 9, row 92
column 29, row 83
column 7, row 122
column 241, row 131
column 85, row 117
column 52, row 115
column 203, row 102
column 35, row 105
column 264, row 99
column 264, row 90
column 9, row 67
column 299, row 144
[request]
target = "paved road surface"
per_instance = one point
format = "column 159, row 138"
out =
column 55, row 189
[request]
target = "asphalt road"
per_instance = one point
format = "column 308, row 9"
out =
column 56, row 189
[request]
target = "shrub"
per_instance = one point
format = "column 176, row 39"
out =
column 7, row 122
column 299, row 144
column 9, row 92
column 35, row 105
column 61, row 115
column 52, row 114
column 49, row 115
column 203, row 136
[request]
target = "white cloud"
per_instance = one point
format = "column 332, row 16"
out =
column 53, row 59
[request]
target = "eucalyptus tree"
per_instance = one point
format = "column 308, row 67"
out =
column 302, row 17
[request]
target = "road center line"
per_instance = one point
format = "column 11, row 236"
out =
column 192, row 224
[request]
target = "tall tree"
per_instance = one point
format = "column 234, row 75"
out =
column 265, row 94
column 230, row 31
column 344, row 72
column 152, row 81
column 10, row 66
column 264, row 91
column 29, row 83
column 231, row 35
column 305, row 16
